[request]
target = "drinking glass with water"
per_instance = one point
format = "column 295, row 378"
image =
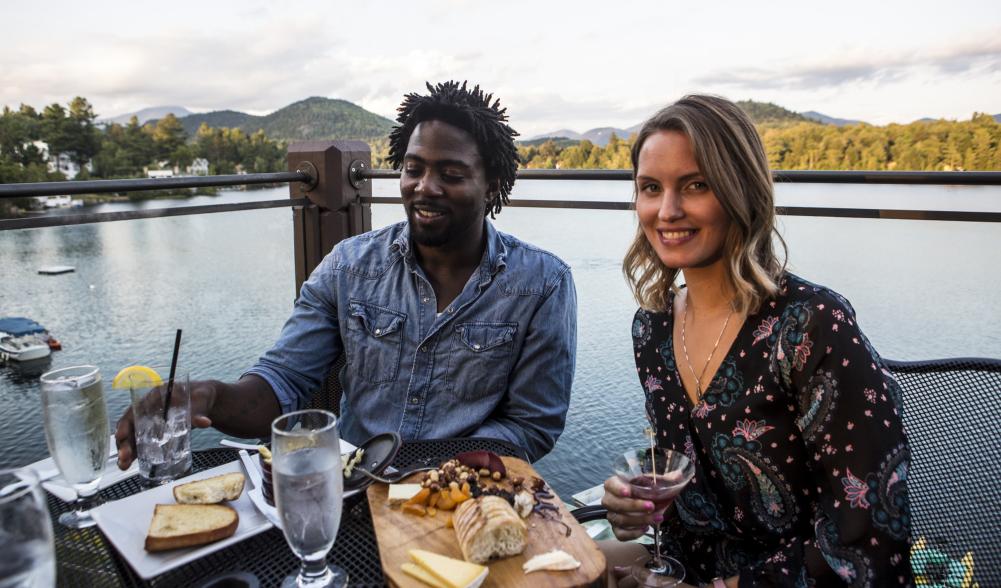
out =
column 28, row 557
column 309, row 491
column 163, row 445
column 76, row 431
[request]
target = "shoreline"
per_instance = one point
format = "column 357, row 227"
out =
column 14, row 211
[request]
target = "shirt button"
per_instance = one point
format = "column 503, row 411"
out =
column 424, row 300
column 450, row 309
column 424, row 348
column 378, row 331
column 414, row 400
column 476, row 346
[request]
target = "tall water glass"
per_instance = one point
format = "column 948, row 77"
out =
column 27, row 555
column 76, row 431
column 309, row 491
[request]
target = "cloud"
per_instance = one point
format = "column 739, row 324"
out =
column 967, row 57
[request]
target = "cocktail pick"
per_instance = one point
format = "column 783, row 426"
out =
column 653, row 454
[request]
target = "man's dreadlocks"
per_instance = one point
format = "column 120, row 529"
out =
column 471, row 111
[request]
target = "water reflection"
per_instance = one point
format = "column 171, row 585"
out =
column 25, row 372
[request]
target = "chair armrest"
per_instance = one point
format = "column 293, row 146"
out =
column 589, row 513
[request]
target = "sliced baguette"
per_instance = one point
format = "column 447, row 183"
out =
column 487, row 528
column 185, row 525
column 210, row 490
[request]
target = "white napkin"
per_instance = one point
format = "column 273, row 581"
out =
column 53, row 481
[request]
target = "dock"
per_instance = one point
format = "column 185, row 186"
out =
column 55, row 270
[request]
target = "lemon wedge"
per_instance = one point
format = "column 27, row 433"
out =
column 136, row 376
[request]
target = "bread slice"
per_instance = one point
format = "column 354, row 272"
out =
column 210, row 490
column 487, row 528
column 185, row 525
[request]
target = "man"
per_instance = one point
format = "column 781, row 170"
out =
column 450, row 327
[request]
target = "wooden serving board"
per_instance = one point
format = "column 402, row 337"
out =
column 397, row 533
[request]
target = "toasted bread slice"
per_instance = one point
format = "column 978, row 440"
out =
column 210, row 490
column 185, row 525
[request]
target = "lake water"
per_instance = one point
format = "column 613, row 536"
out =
column 922, row 289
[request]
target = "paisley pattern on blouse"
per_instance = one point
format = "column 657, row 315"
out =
column 738, row 461
column 698, row 512
column 801, row 458
column 851, row 565
column 887, row 494
column 791, row 342
column 725, row 387
column 816, row 402
column 641, row 328
column 666, row 352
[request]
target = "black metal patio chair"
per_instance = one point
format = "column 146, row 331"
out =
column 952, row 409
column 328, row 397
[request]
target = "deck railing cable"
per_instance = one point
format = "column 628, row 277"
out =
column 781, row 176
column 363, row 174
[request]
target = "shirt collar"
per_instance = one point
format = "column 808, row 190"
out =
column 493, row 258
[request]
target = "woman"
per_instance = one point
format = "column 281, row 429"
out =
column 763, row 379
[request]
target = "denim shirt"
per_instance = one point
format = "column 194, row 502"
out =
column 498, row 362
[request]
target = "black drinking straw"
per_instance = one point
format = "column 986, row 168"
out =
column 170, row 388
column 170, row 380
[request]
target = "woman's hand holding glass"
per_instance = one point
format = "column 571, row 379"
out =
column 629, row 517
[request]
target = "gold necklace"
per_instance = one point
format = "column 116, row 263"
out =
column 684, row 347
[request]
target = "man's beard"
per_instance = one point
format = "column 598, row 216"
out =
column 430, row 238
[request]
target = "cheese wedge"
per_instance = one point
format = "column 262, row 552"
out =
column 556, row 560
column 412, row 569
column 452, row 573
column 402, row 492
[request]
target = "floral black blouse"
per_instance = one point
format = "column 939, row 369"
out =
column 801, row 458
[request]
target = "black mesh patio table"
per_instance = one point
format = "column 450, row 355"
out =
column 85, row 558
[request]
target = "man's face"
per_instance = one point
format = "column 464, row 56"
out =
column 444, row 186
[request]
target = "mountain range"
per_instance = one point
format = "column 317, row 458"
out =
column 320, row 118
column 314, row 118
column 760, row 112
column 830, row 120
column 147, row 114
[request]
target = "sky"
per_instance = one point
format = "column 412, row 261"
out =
column 554, row 64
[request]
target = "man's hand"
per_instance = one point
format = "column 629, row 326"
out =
column 629, row 517
column 203, row 395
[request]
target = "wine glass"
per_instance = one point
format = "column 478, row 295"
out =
column 76, row 431
column 657, row 475
column 309, row 490
column 29, row 557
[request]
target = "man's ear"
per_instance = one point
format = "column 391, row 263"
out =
column 493, row 190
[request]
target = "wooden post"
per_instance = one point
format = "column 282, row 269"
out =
column 334, row 212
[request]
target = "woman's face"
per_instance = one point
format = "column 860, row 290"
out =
column 678, row 212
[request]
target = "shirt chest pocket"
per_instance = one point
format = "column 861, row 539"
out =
column 481, row 358
column 375, row 341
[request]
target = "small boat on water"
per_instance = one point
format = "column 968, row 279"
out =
column 22, row 339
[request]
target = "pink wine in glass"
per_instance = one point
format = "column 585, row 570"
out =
column 660, row 493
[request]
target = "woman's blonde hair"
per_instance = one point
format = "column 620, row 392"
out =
column 730, row 155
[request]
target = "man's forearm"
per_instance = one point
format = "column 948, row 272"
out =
column 245, row 409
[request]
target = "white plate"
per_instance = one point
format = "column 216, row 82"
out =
column 125, row 523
